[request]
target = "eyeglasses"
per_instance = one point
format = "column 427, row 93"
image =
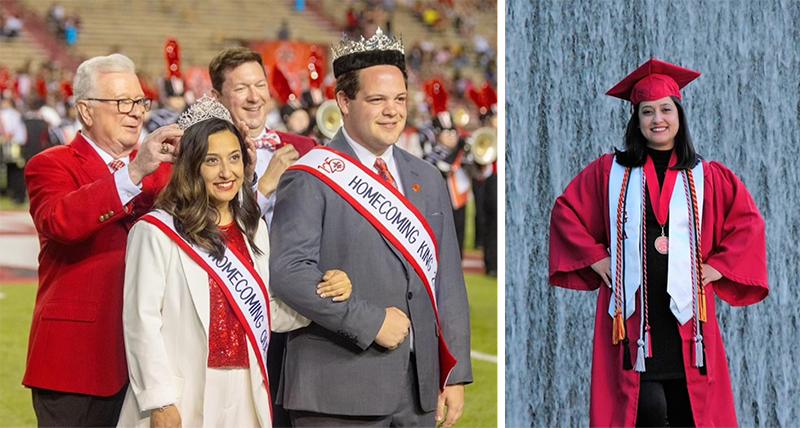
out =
column 125, row 105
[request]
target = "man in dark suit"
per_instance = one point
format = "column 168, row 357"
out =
column 84, row 197
column 372, row 360
column 240, row 84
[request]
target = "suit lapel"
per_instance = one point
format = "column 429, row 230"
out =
column 197, row 282
column 90, row 161
column 410, row 177
column 339, row 143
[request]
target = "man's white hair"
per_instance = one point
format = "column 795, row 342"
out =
column 86, row 76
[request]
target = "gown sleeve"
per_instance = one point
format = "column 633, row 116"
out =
column 738, row 249
column 578, row 233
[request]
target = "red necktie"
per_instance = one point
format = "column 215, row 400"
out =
column 116, row 164
column 383, row 170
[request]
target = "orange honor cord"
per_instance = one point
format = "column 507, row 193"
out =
column 618, row 323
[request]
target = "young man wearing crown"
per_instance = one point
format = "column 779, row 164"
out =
column 383, row 216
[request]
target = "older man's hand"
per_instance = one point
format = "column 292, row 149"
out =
column 160, row 146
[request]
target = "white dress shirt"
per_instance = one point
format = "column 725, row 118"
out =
column 125, row 187
column 367, row 158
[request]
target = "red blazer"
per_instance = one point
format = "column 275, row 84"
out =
column 301, row 143
column 76, row 343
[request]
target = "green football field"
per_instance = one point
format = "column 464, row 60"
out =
column 16, row 306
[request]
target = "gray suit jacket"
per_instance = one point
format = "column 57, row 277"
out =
column 333, row 366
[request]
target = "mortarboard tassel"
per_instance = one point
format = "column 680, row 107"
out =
column 639, row 367
column 698, row 351
column 626, row 355
column 701, row 303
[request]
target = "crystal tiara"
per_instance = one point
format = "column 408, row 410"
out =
column 205, row 108
column 378, row 42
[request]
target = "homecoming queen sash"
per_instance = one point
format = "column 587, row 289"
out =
column 239, row 282
column 391, row 214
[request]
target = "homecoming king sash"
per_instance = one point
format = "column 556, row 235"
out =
column 239, row 282
column 391, row 214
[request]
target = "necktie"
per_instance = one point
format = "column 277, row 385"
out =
column 115, row 165
column 383, row 171
column 270, row 141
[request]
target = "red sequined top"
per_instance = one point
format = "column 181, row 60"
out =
column 227, row 341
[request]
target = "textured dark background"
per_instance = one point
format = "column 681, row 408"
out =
column 561, row 56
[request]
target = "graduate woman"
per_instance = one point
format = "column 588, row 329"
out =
column 197, row 312
column 660, row 232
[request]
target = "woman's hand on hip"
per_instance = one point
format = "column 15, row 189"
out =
column 710, row 274
column 603, row 268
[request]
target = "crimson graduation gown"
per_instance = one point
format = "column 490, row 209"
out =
column 733, row 242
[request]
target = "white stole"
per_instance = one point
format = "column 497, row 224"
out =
column 679, row 265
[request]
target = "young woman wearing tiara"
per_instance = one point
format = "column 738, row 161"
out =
column 197, row 310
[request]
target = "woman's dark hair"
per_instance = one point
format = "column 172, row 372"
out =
column 185, row 196
column 635, row 143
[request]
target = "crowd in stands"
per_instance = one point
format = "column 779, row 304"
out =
column 425, row 58
column 62, row 25
column 10, row 25
column 438, row 15
column 361, row 17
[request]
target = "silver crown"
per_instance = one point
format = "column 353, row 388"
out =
column 205, row 108
column 378, row 42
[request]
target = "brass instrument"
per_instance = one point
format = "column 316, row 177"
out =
column 460, row 117
column 11, row 153
column 329, row 118
column 482, row 145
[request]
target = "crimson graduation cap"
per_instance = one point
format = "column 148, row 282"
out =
column 652, row 81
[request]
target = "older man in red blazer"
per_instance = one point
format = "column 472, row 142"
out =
column 84, row 198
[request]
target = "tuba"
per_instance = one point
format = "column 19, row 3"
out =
column 482, row 145
column 329, row 118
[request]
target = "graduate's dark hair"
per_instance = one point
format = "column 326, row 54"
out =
column 186, row 199
column 635, row 143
